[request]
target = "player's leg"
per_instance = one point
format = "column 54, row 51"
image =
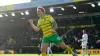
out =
column 58, row 41
column 44, row 46
column 67, row 48
column 83, row 49
column 39, row 51
column 51, row 51
column 48, row 49
column 86, row 50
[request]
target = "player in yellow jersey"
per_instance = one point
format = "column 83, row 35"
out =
column 47, row 24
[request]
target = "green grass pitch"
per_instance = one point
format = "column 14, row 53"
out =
column 49, row 55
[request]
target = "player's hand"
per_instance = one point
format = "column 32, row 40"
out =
column 30, row 21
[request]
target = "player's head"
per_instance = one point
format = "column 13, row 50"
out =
column 84, row 31
column 40, row 11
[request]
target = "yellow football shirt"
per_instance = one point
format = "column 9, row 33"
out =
column 45, row 24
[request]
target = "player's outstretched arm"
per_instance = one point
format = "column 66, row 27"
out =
column 33, row 26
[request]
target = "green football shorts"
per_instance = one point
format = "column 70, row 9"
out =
column 52, row 39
